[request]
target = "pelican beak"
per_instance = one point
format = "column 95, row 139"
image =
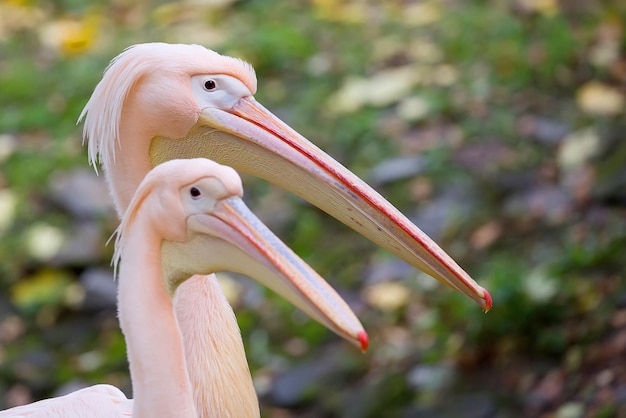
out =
column 250, row 139
column 230, row 237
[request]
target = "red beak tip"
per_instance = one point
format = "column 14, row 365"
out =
column 488, row 300
column 363, row 339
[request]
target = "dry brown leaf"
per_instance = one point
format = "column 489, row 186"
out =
column 486, row 235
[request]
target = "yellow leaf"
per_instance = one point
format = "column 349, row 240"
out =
column 596, row 98
column 71, row 36
column 46, row 287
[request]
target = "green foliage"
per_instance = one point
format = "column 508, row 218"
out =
column 491, row 95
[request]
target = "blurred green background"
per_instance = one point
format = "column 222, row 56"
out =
column 497, row 126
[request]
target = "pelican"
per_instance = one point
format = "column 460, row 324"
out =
column 158, row 102
column 187, row 217
column 98, row 401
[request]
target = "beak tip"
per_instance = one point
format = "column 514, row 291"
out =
column 488, row 301
column 363, row 340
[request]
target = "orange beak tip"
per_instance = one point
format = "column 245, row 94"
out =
column 488, row 300
column 363, row 339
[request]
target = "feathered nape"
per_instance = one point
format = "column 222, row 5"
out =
column 174, row 172
column 103, row 112
column 141, row 194
column 129, row 216
column 178, row 174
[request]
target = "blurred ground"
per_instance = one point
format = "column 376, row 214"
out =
column 498, row 127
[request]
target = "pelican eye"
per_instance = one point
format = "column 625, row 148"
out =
column 195, row 192
column 210, row 85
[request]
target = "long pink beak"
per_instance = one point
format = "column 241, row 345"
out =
column 230, row 237
column 251, row 139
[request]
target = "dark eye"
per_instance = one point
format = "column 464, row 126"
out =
column 194, row 192
column 210, row 85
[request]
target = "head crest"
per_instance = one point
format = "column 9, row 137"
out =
column 172, row 174
column 103, row 112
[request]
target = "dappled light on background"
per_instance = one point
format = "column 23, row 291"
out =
column 43, row 241
column 387, row 296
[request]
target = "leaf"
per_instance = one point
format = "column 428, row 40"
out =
column 596, row 98
column 413, row 108
column 539, row 286
column 578, row 148
column 46, row 287
column 44, row 241
column 380, row 90
column 16, row 15
column 8, row 202
column 71, row 36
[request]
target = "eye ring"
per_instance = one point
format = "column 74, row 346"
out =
column 195, row 192
column 209, row 85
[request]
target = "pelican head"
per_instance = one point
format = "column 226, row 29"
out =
column 195, row 208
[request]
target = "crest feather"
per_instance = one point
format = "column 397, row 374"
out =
column 103, row 112
column 171, row 174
